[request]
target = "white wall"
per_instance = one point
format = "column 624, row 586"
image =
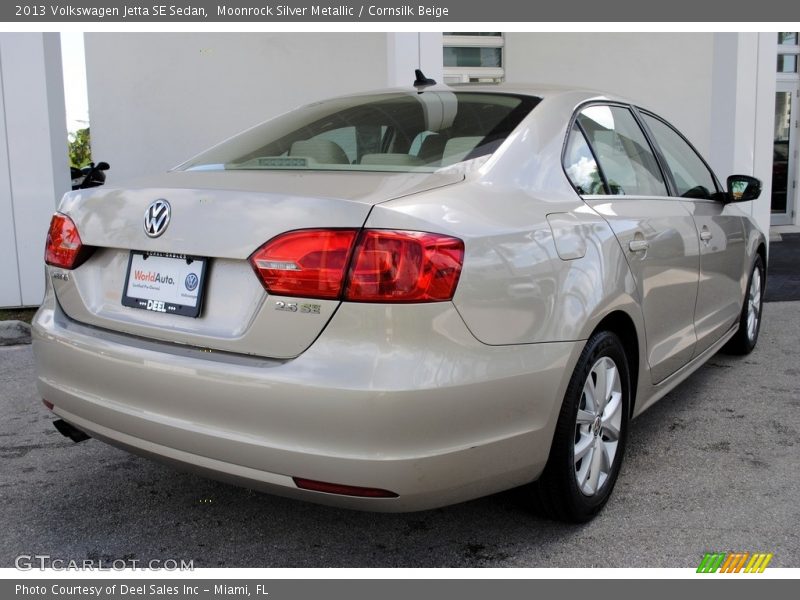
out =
column 34, row 171
column 743, row 115
column 408, row 51
column 717, row 88
column 158, row 99
column 669, row 73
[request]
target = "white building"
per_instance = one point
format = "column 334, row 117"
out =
column 157, row 99
column 33, row 159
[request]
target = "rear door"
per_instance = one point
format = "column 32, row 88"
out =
column 611, row 163
column 720, row 230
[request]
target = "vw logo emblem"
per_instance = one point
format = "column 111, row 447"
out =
column 191, row 282
column 156, row 218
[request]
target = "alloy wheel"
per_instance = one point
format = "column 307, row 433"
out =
column 597, row 427
column 754, row 304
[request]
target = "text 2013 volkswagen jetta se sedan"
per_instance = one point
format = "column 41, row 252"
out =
column 401, row 300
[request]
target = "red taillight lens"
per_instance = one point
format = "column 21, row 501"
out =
column 310, row 263
column 384, row 265
column 404, row 266
column 63, row 243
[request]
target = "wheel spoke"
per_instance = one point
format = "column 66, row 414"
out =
column 584, row 445
column 589, row 394
column 594, row 473
column 612, row 408
column 611, row 430
column 605, row 459
column 585, row 417
column 601, row 386
column 582, row 474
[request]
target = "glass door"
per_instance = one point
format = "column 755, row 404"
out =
column 784, row 154
column 785, row 159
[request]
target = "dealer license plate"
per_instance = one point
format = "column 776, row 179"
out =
column 165, row 283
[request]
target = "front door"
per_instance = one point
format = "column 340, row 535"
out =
column 720, row 230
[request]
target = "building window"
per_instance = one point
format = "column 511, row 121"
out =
column 788, row 52
column 473, row 57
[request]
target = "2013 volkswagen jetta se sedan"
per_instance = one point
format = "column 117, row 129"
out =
column 402, row 300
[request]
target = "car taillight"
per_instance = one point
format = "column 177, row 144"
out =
column 375, row 266
column 64, row 246
column 309, row 263
column 404, row 266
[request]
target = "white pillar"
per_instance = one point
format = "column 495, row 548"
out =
column 743, row 112
column 765, row 124
column 34, row 170
column 409, row 51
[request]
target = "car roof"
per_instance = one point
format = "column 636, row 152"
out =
column 529, row 89
column 543, row 91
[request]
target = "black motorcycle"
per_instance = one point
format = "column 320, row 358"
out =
column 88, row 177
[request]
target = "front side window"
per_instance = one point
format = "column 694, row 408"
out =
column 690, row 174
column 384, row 132
column 622, row 151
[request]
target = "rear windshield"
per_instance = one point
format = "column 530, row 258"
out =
column 384, row 132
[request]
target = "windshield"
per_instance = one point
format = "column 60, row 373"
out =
column 384, row 132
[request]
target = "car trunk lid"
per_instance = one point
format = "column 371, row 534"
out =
column 222, row 217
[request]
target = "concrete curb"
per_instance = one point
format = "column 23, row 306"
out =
column 14, row 333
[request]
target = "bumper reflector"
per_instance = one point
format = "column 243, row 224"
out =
column 342, row 490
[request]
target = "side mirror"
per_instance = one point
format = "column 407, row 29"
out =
column 742, row 188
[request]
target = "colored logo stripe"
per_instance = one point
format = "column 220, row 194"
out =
column 711, row 562
column 758, row 563
column 734, row 562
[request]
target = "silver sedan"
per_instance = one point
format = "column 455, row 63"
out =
column 402, row 300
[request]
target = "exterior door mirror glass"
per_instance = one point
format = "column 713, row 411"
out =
column 742, row 188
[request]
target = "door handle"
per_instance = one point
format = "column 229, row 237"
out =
column 638, row 245
column 705, row 235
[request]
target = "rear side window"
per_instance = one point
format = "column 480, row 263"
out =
column 580, row 165
column 691, row 175
column 622, row 151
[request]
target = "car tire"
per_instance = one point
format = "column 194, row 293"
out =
column 746, row 337
column 592, row 425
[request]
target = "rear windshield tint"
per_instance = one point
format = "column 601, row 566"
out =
column 383, row 132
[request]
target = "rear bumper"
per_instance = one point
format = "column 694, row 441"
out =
column 402, row 399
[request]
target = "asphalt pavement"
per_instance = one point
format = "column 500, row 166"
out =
column 712, row 467
column 783, row 273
